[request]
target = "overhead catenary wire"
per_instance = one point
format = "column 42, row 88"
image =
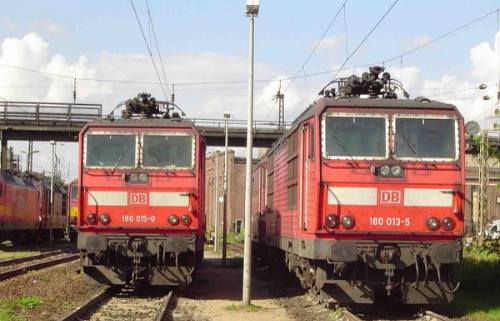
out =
column 361, row 43
column 158, row 48
column 203, row 83
column 316, row 46
column 149, row 49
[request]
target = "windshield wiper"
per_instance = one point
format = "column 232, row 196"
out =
column 343, row 147
column 120, row 158
column 413, row 149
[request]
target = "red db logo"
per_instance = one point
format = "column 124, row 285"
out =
column 390, row 196
column 138, row 199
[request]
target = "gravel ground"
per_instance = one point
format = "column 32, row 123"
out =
column 61, row 288
column 216, row 296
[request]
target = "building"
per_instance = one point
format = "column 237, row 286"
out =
column 214, row 175
column 472, row 191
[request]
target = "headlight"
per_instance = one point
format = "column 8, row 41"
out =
column 331, row 220
column 448, row 223
column 396, row 170
column 173, row 219
column 134, row 178
column 186, row 219
column 144, row 178
column 91, row 218
column 385, row 170
column 347, row 221
column 432, row 223
column 104, row 219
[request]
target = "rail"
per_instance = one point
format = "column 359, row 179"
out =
column 37, row 113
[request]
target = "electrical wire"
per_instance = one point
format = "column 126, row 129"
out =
column 257, row 80
column 345, row 33
column 157, row 47
column 149, row 49
column 362, row 42
column 316, row 46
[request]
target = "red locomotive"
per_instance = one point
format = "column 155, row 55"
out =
column 25, row 208
column 59, row 216
column 141, row 197
column 365, row 196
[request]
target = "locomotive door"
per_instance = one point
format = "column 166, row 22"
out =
column 262, row 190
column 306, row 159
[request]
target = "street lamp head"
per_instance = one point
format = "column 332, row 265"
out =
column 227, row 114
column 52, row 142
column 252, row 8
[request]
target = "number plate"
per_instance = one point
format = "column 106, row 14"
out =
column 138, row 218
column 389, row 221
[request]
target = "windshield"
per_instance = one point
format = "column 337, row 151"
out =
column 172, row 151
column 425, row 138
column 355, row 137
column 74, row 192
column 109, row 150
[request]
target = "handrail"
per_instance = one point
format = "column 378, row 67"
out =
column 48, row 111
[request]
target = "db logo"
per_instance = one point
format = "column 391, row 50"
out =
column 138, row 199
column 390, row 196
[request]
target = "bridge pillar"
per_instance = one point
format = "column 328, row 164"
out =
column 3, row 152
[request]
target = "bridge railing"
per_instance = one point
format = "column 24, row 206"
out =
column 240, row 124
column 41, row 113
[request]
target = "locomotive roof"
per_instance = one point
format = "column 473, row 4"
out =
column 369, row 103
column 148, row 122
column 14, row 179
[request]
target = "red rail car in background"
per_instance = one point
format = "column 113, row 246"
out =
column 141, row 198
column 365, row 196
column 19, row 216
column 72, row 209
column 59, row 215
column 25, row 208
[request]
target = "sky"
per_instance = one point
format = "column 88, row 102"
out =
column 439, row 49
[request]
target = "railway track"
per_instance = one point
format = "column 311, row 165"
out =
column 125, row 304
column 236, row 248
column 425, row 315
column 16, row 267
column 33, row 257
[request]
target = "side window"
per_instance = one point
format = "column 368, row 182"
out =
column 312, row 144
column 292, row 170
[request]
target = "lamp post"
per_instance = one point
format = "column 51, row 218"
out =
column 53, row 143
column 29, row 157
column 252, row 10
column 227, row 115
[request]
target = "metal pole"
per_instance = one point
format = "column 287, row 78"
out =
column 53, row 143
column 216, row 203
column 247, row 260
column 224, row 215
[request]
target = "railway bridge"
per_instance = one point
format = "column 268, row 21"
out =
column 45, row 121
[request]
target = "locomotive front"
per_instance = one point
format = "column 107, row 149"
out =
column 393, row 195
column 140, row 200
column 392, row 179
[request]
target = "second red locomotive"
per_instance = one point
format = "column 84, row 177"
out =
column 365, row 195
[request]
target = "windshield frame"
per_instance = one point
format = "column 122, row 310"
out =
column 426, row 116
column 359, row 115
column 114, row 133
column 169, row 133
